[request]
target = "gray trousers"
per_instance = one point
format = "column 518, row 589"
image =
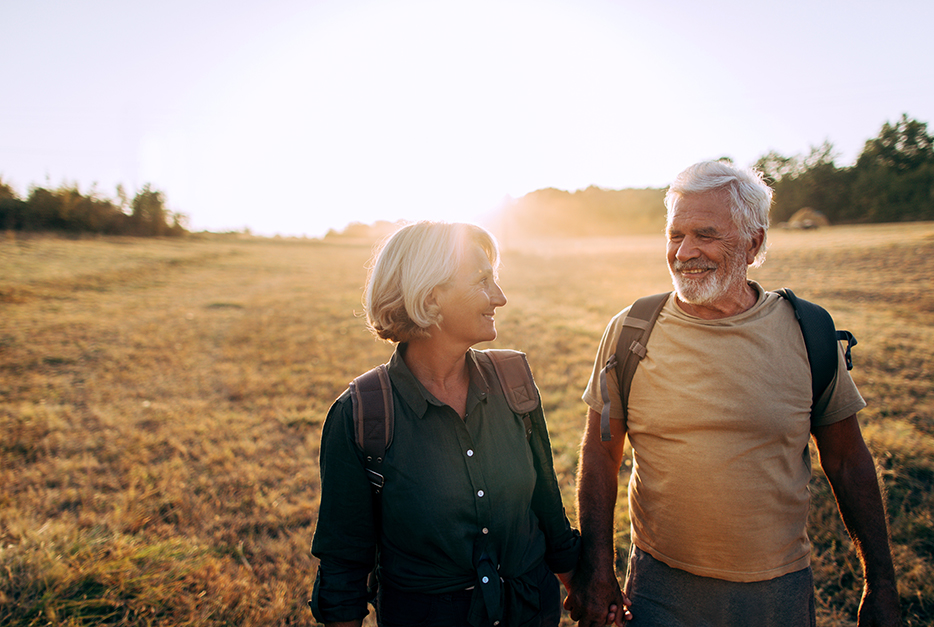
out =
column 663, row 596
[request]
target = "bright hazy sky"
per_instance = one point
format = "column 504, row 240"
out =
column 296, row 116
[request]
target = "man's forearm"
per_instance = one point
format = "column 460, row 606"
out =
column 594, row 597
column 597, row 487
column 850, row 469
column 856, row 489
column 852, row 475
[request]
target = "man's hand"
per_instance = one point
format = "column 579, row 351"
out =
column 879, row 608
column 595, row 601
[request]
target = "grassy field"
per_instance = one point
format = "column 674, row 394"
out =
column 161, row 405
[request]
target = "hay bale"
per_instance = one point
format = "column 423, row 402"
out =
column 807, row 218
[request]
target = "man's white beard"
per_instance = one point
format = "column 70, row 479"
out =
column 711, row 288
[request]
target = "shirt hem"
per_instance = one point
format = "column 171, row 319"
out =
column 729, row 575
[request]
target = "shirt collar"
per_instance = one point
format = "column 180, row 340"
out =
column 417, row 397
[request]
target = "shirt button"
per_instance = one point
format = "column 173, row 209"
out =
column 469, row 453
column 480, row 494
column 485, row 531
column 485, row 580
column 495, row 623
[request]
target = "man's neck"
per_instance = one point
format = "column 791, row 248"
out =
column 730, row 305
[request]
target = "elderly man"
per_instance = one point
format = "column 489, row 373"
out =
column 719, row 419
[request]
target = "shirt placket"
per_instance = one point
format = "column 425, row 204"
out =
column 486, row 561
column 475, row 471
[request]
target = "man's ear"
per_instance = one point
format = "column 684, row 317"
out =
column 755, row 245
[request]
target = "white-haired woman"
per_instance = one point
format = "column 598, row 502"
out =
column 465, row 488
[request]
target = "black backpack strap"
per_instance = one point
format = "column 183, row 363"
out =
column 630, row 349
column 820, row 339
column 515, row 377
column 371, row 397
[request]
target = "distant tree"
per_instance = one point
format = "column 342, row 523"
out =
column 810, row 181
column 902, row 147
column 894, row 175
column 122, row 198
column 593, row 211
column 68, row 210
column 149, row 212
column 11, row 207
column 775, row 167
column 6, row 191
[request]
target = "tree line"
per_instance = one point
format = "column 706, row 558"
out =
column 67, row 210
column 891, row 181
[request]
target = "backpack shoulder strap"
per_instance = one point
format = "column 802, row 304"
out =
column 820, row 339
column 515, row 377
column 630, row 349
column 371, row 398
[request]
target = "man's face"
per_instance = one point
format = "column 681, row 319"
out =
column 707, row 254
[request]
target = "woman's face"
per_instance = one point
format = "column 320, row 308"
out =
column 468, row 301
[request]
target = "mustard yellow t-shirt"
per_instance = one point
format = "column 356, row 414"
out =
column 719, row 422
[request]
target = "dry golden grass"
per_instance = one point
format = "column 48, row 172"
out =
column 161, row 404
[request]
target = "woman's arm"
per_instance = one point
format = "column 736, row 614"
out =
column 345, row 536
column 562, row 542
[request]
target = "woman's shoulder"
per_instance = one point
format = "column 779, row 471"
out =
column 340, row 414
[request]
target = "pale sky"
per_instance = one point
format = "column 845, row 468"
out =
column 292, row 117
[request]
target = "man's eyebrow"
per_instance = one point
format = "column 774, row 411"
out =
column 708, row 231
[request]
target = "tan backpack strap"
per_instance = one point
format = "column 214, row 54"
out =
column 630, row 349
column 515, row 377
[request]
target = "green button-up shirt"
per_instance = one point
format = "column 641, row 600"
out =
column 456, row 490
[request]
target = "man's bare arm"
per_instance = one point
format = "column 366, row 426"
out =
column 594, row 590
column 852, row 475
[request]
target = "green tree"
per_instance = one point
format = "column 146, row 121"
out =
column 894, row 175
column 902, row 147
column 812, row 181
column 775, row 167
column 11, row 207
column 149, row 212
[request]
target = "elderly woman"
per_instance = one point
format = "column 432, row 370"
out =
column 467, row 491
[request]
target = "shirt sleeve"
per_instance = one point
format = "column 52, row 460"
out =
column 592, row 394
column 841, row 399
column 562, row 542
column 345, row 536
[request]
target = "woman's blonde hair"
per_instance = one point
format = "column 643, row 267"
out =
column 408, row 266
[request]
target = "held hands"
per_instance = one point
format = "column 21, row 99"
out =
column 595, row 601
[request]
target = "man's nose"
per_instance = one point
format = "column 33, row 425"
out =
column 687, row 249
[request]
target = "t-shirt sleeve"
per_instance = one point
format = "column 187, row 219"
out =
column 592, row 394
column 841, row 399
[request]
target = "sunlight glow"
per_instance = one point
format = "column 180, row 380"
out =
column 297, row 117
column 414, row 110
